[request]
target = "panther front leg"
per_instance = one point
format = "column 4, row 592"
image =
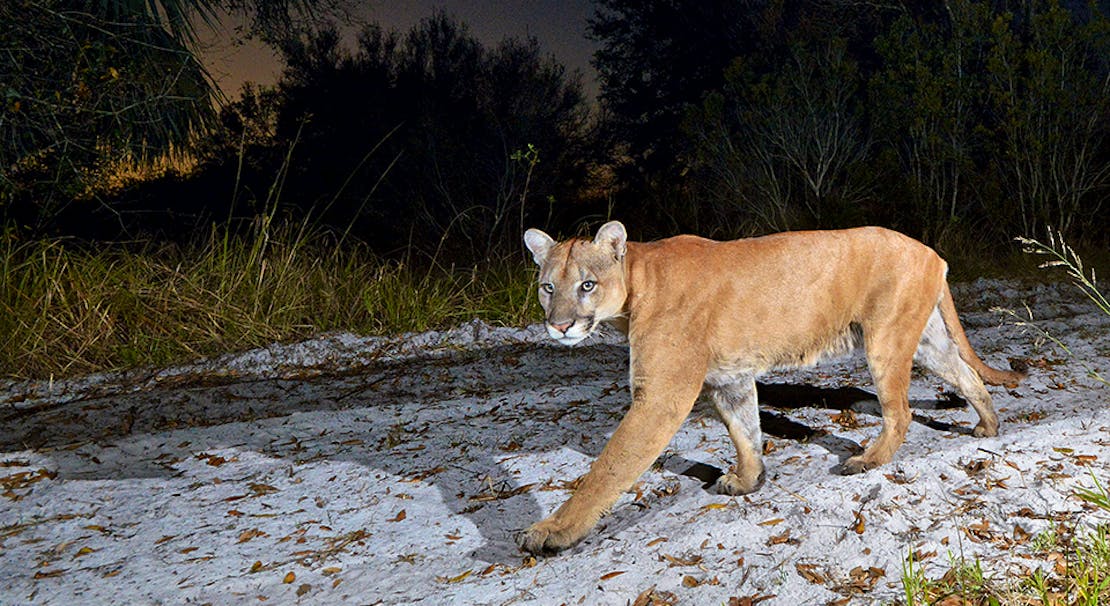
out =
column 661, row 401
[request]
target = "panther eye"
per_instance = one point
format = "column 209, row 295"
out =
column 588, row 285
column 547, row 287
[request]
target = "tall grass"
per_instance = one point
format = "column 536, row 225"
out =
column 68, row 309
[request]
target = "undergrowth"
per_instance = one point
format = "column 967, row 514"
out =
column 68, row 309
column 1074, row 569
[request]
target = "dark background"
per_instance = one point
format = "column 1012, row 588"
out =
column 962, row 123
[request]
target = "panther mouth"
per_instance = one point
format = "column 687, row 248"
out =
column 577, row 332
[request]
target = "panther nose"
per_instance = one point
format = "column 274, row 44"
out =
column 562, row 327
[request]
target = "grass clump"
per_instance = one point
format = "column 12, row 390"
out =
column 964, row 582
column 68, row 309
column 1076, row 570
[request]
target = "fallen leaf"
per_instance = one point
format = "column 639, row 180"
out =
column 459, row 578
column 610, row 575
column 749, row 600
column 690, row 581
column 261, row 489
column 811, row 573
column 846, row 419
column 690, row 560
column 979, row 531
column 256, row 566
column 83, row 551
column 713, row 506
column 211, row 459
column 303, row 589
column 400, row 516
column 652, row 597
column 772, row 522
column 656, row 541
column 289, row 577
column 858, row 523
column 247, row 535
column 782, row 538
column 976, row 466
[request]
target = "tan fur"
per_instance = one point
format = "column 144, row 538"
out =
column 698, row 311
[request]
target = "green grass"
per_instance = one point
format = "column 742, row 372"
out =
column 67, row 309
column 1074, row 569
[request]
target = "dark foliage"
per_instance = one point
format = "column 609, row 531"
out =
column 945, row 120
column 427, row 142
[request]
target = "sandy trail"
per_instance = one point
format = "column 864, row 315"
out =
column 396, row 471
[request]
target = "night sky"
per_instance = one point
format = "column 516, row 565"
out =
column 559, row 25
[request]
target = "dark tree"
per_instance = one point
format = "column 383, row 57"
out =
column 428, row 140
column 85, row 83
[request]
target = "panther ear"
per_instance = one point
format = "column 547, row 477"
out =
column 539, row 243
column 613, row 236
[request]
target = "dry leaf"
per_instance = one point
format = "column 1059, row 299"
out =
column 712, row 506
column 781, row 538
column 289, row 577
column 256, row 566
column 247, row 535
column 459, row 578
column 303, row 589
column 749, row 600
column 651, row 597
column 400, row 516
column 83, row 551
column 691, row 560
column 858, row 523
column 978, row 532
column 330, row 570
column 690, row 581
column 656, row 541
column 609, row 575
column 811, row 573
column 846, row 419
column 976, row 466
column 772, row 522
column 261, row 489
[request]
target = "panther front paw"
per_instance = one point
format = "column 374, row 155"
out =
column 550, row 536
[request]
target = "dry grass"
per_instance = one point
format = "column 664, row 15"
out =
column 67, row 310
